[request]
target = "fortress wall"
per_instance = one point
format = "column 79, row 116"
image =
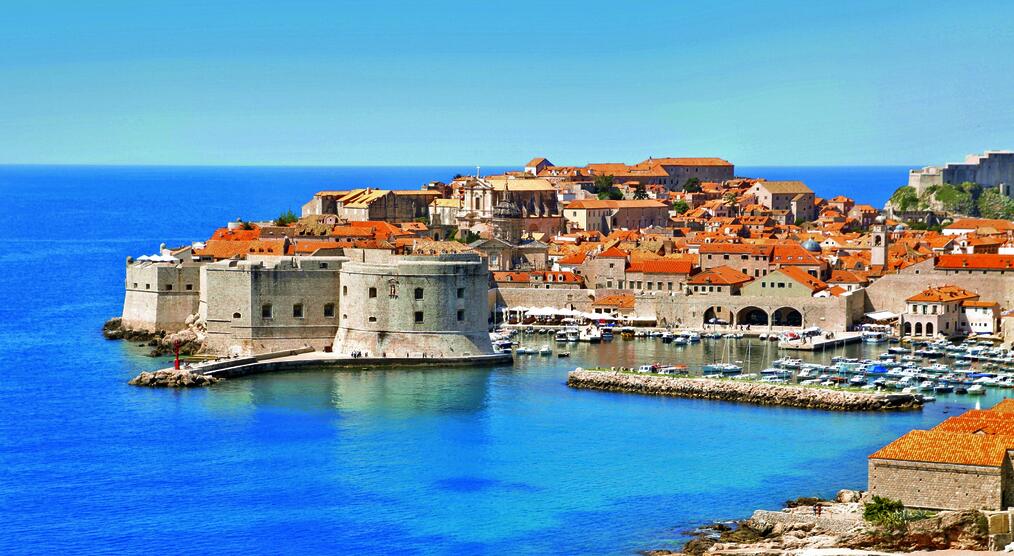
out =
column 234, row 295
column 157, row 296
column 452, row 308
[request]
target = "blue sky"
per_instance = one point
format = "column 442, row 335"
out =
column 431, row 83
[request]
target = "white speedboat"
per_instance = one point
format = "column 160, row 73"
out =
column 590, row 334
column 976, row 390
column 545, row 350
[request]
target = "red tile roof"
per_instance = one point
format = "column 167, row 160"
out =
column 983, row 261
column 938, row 446
column 943, row 294
column 612, row 253
column 620, row 301
column 662, row 266
column 719, row 276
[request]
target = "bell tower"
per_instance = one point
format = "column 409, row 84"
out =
column 878, row 242
column 507, row 222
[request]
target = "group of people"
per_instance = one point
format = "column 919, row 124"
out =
column 357, row 354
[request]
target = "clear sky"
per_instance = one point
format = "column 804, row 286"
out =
column 483, row 82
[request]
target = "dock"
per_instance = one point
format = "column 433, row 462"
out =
column 820, row 343
column 303, row 358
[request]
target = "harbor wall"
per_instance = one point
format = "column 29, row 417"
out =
column 743, row 392
column 889, row 292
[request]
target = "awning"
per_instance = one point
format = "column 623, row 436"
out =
column 881, row 315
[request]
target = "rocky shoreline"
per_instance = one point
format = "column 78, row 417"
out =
column 173, row 379
column 161, row 342
column 797, row 529
column 743, row 392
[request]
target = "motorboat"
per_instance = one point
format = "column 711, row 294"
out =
column 590, row 334
column 561, row 337
column 545, row 350
column 976, row 390
column 563, row 354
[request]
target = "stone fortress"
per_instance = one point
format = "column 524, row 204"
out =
column 990, row 169
column 368, row 301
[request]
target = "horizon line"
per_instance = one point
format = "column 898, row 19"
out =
column 185, row 165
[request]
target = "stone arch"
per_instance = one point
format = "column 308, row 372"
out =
column 918, row 329
column 717, row 313
column 786, row 316
column 929, row 328
column 754, row 316
column 907, row 331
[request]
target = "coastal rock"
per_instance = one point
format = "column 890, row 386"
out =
column 173, row 379
column 847, row 496
column 744, row 392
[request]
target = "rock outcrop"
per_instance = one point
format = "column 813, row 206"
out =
column 173, row 379
column 191, row 338
column 744, row 392
column 798, row 530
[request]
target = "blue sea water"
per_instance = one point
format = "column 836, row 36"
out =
column 462, row 461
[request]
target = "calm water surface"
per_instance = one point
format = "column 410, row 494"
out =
column 498, row 460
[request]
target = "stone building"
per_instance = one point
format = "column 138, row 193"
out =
column 535, row 198
column 606, row 216
column 414, row 307
column 990, row 169
column 360, row 205
column 793, row 196
column 160, row 294
column 269, row 304
column 962, row 463
column 936, row 310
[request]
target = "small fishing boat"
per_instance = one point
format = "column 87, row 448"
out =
column 563, row 354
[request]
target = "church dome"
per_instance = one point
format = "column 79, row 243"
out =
column 506, row 209
column 811, row 246
column 900, row 228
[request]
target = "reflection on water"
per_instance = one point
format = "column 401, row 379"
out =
column 392, row 391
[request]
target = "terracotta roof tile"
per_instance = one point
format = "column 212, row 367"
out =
column 938, row 446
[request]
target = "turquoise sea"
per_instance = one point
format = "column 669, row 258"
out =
column 465, row 461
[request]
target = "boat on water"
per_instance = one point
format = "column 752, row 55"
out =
column 563, row 354
column 693, row 337
column 561, row 337
column 723, row 369
column 627, row 332
column 590, row 334
column 680, row 341
column 976, row 390
column 545, row 350
column 943, row 388
column 607, row 334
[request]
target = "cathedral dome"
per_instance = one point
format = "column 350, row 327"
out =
column 811, row 246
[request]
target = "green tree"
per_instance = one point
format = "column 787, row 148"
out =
column 692, row 185
column 603, row 183
column 640, row 192
column 247, row 226
column 993, row 204
column 611, row 194
column 680, row 206
column 286, row 218
column 729, row 198
column 905, row 199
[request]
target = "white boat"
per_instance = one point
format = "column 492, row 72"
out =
column 561, row 336
column 976, row 390
column 590, row 334
column 545, row 350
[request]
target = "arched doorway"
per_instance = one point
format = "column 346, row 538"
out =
column 918, row 329
column 754, row 316
column 907, row 329
column 787, row 316
column 718, row 315
column 929, row 328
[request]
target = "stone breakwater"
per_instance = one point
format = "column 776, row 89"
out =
column 743, row 392
column 173, row 379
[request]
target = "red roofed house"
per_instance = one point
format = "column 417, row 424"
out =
column 720, row 279
column 962, row 463
column 666, row 275
column 938, row 310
